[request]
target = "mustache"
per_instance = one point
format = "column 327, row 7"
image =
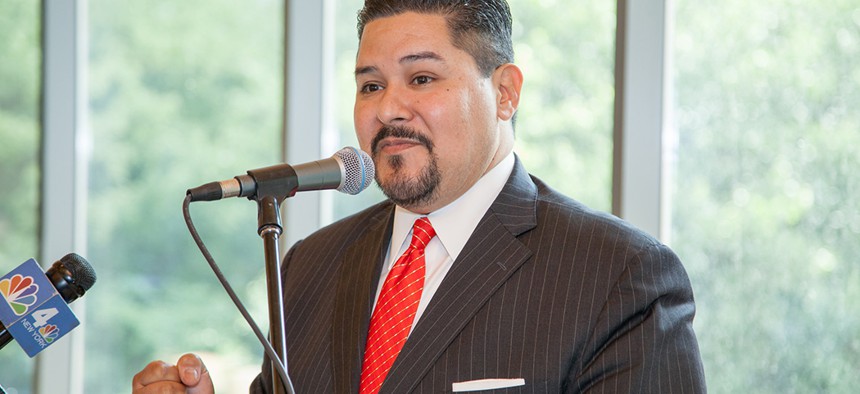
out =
column 399, row 132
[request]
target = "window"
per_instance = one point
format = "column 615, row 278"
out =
column 762, row 152
column 20, row 134
column 564, row 124
column 181, row 93
column 765, row 209
column 345, row 50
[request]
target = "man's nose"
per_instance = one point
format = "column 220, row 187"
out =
column 394, row 106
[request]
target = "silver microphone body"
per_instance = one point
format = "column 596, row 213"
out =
column 349, row 171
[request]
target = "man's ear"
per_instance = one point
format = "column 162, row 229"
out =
column 508, row 80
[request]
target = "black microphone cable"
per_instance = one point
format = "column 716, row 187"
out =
column 267, row 347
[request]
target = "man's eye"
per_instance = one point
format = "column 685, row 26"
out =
column 421, row 80
column 370, row 88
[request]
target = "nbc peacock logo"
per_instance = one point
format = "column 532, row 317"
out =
column 49, row 332
column 20, row 292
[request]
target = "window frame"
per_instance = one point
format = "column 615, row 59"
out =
column 64, row 155
column 638, row 170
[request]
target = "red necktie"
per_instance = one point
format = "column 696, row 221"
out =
column 395, row 309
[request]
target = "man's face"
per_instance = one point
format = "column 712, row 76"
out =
column 424, row 111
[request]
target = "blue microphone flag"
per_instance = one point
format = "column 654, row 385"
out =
column 32, row 310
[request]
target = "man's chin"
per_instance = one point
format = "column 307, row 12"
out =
column 409, row 196
column 409, row 189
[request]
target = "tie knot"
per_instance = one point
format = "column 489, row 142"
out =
column 422, row 233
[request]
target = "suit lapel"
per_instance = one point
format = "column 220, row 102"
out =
column 355, row 289
column 489, row 258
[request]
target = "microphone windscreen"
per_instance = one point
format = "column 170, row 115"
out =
column 82, row 272
column 358, row 170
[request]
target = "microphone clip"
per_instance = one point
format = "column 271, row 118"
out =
column 279, row 181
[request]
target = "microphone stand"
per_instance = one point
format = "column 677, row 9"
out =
column 274, row 185
column 269, row 187
column 270, row 229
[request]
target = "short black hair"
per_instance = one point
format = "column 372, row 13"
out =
column 482, row 28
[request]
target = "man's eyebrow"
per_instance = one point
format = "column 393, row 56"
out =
column 365, row 70
column 426, row 55
column 411, row 58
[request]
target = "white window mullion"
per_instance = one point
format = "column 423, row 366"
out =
column 59, row 369
column 307, row 62
column 640, row 113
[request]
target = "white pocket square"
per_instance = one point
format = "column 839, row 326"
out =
column 486, row 384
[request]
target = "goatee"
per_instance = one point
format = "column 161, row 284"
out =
column 400, row 188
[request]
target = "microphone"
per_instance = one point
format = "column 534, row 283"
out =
column 349, row 171
column 72, row 276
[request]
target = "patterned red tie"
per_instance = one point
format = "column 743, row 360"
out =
column 395, row 309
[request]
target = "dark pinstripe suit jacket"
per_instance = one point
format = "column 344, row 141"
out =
column 567, row 298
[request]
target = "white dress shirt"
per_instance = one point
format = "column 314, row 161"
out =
column 454, row 224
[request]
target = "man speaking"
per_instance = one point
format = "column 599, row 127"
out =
column 472, row 275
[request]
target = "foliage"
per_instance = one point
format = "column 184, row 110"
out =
column 564, row 123
column 20, row 62
column 766, row 214
column 178, row 91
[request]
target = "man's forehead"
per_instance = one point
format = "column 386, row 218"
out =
column 407, row 21
column 406, row 29
column 403, row 39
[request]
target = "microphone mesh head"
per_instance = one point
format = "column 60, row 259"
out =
column 358, row 170
column 82, row 272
